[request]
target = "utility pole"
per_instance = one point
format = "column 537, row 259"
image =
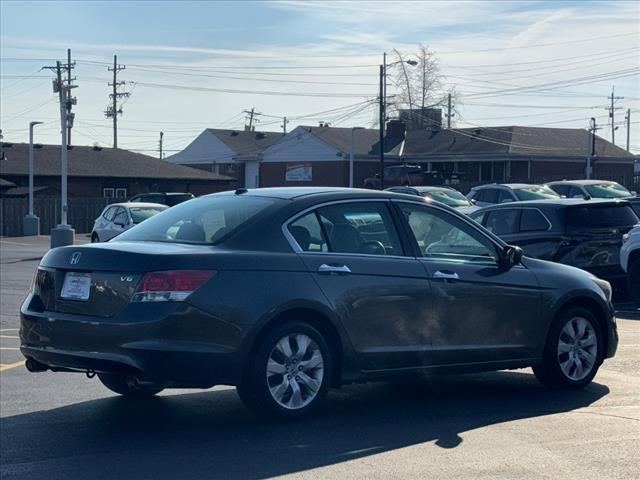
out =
column 251, row 114
column 612, row 110
column 161, row 135
column 591, row 146
column 284, row 125
column 113, row 110
column 449, row 113
column 382, row 114
column 31, row 222
column 70, row 66
column 628, row 119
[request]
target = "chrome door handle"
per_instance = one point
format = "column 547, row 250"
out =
column 446, row 275
column 324, row 268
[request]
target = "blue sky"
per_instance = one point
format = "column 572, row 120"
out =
column 187, row 60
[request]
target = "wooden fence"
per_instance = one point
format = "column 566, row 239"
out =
column 81, row 214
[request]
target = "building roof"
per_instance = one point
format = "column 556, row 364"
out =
column 529, row 141
column 97, row 162
column 366, row 141
column 6, row 183
column 246, row 143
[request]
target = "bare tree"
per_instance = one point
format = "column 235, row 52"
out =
column 419, row 88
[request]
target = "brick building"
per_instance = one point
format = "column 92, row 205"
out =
column 102, row 172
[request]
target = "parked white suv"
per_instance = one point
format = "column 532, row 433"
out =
column 630, row 262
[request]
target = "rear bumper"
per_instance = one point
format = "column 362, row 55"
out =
column 173, row 344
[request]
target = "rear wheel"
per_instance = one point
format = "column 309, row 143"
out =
column 634, row 282
column 94, row 238
column 573, row 352
column 289, row 373
column 127, row 386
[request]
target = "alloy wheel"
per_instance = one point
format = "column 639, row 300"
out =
column 577, row 348
column 295, row 371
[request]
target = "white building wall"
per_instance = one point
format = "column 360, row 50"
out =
column 206, row 148
column 300, row 145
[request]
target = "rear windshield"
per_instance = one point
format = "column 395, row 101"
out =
column 594, row 216
column 204, row 220
column 448, row 197
column 172, row 200
column 607, row 190
column 535, row 193
column 138, row 214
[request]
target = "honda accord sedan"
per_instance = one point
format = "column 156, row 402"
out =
column 287, row 292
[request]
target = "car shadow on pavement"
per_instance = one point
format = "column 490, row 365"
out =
column 210, row 434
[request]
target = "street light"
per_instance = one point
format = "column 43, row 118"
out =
column 31, row 223
column 383, row 106
column 353, row 129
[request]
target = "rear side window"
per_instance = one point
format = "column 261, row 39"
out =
column 108, row 214
column 365, row 228
column 505, row 196
column 532, row 220
column 308, row 234
column 595, row 216
column 502, row 221
column 205, row 220
column 561, row 189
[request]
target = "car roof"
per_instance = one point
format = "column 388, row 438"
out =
column 580, row 182
column 136, row 204
column 513, row 186
column 557, row 202
column 293, row 193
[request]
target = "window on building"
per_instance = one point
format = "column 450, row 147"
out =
column 121, row 193
column 108, row 192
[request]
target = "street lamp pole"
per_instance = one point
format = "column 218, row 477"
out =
column 31, row 223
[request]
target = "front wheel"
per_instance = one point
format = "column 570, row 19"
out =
column 128, row 386
column 573, row 352
column 289, row 373
column 634, row 282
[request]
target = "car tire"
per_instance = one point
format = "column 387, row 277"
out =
column 634, row 282
column 288, row 374
column 127, row 386
column 573, row 352
column 95, row 238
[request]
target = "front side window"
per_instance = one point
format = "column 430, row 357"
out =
column 120, row 217
column 442, row 236
column 536, row 192
column 505, row 196
column 360, row 228
column 205, row 220
column 489, row 195
column 138, row 214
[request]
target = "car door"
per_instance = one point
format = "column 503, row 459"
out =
column 482, row 310
column 103, row 222
column 356, row 256
column 118, row 224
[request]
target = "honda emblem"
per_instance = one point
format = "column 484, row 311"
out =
column 75, row 258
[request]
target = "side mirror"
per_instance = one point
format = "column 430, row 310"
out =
column 473, row 202
column 511, row 255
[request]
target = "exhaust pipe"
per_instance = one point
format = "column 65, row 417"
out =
column 34, row 366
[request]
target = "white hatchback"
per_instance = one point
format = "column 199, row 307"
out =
column 118, row 217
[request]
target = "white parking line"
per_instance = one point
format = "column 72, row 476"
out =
column 9, row 329
column 16, row 243
column 9, row 348
column 9, row 336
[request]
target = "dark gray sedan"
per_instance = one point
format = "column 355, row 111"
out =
column 287, row 292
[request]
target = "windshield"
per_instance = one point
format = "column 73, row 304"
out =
column 535, row 192
column 203, row 220
column 451, row 198
column 138, row 214
column 607, row 190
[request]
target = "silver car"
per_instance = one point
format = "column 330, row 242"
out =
column 118, row 217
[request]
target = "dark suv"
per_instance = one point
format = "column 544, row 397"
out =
column 583, row 233
column 169, row 198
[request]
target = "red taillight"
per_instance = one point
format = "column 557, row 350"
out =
column 170, row 285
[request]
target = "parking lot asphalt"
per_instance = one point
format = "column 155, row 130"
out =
column 500, row 425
